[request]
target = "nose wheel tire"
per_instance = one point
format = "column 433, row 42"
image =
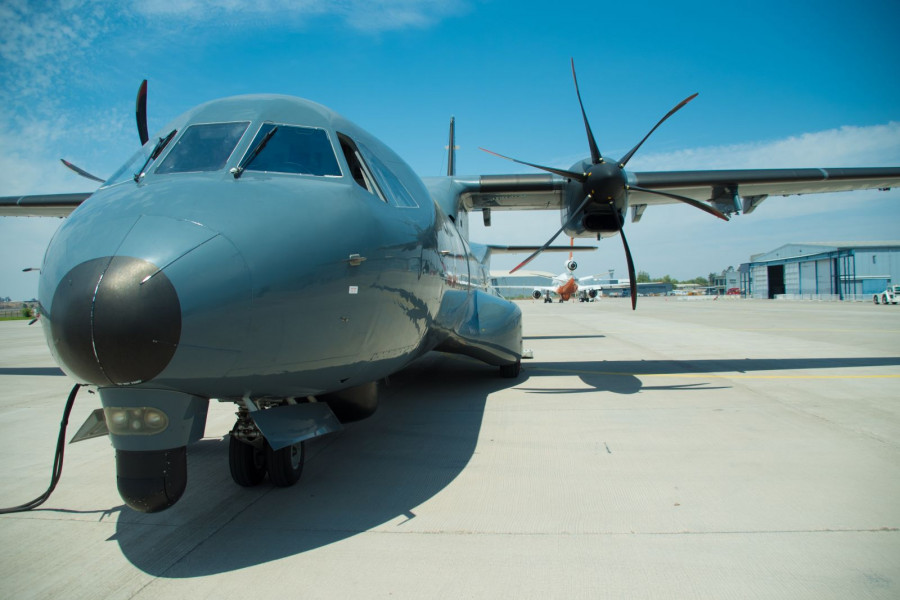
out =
column 511, row 371
column 285, row 465
column 247, row 463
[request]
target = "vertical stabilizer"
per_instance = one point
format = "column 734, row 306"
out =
column 451, row 149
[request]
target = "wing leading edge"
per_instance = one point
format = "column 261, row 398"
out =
column 45, row 205
column 739, row 190
column 743, row 190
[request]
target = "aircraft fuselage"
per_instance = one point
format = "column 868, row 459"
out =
column 279, row 278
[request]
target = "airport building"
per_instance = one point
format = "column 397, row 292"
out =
column 723, row 282
column 822, row 270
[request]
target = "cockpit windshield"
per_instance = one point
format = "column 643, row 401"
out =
column 203, row 147
column 292, row 149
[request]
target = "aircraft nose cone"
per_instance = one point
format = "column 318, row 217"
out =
column 115, row 320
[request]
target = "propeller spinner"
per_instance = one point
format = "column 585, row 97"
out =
column 605, row 183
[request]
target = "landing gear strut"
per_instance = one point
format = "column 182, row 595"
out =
column 250, row 456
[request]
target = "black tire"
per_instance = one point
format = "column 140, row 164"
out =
column 247, row 462
column 511, row 371
column 285, row 465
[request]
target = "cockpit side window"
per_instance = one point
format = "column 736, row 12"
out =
column 292, row 149
column 359, row 170
column 204, row 147
column 396, row 192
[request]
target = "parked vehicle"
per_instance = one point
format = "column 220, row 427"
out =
column 889, row 296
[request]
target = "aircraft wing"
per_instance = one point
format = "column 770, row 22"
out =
column 544, row 191
column 540, row 191
column 754, row 185
column 47, row 205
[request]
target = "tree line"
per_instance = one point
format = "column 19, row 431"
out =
column 644, row 277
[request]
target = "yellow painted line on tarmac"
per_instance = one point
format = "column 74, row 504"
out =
column 715, row 375
column 818, row 330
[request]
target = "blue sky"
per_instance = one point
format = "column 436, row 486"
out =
column 781, row 85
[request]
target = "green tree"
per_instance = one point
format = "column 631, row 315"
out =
column 643, row 277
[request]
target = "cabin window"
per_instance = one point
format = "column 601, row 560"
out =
column 205, row 147
column 396, row 192
column 292, row 149
column 359, row 170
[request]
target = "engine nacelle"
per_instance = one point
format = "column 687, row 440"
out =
column 571, row 265
column 537, row 294
column 592, row 294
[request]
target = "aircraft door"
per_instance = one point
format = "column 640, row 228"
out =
column 454, row 258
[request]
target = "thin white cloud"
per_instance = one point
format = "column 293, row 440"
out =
column 683, row 242
column 843, row 147
column 41, row 42
column 363, row 15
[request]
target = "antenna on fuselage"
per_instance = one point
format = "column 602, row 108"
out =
column 451, row 149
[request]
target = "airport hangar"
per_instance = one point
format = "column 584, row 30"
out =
column 822, row 270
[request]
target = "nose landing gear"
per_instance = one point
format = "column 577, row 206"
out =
column 251, row 456
column 250, row 463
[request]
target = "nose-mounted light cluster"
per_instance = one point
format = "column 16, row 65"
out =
column 143, row 420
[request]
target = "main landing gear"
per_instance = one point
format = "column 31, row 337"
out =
column 250, row 456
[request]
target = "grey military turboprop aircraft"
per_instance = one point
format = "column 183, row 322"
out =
column 266, row 251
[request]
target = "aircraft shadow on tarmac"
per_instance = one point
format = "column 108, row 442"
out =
column 376, row 471
column 563, row 337
column 32, row 371
column 624, row 377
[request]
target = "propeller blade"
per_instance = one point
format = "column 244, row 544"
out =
column 685, row 199
column 80, row 171
column 596, row 158
column 580, row 177
column 632, row 281
column 141, row 113
column 681, row 105
column 571, row 220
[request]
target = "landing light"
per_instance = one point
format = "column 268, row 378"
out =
column 142, row 420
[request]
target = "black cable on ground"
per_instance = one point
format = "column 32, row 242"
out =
column 57, row 461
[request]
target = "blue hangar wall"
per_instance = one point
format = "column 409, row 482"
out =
column 847, row 270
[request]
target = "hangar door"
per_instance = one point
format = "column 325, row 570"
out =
column 825, row 277
column 808, row 278
column 791, row 278
column 759, row 282
column 775, row 275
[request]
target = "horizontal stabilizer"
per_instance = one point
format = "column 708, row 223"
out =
column 523, row 249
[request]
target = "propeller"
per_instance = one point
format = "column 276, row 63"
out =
column 606, row 183
column 80, row 171
column 632, row 280
column 140, row 112
column 571, row 220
